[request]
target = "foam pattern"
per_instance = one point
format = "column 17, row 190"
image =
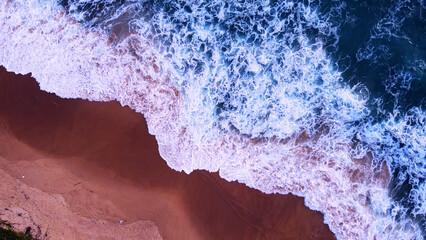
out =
column 245, row 88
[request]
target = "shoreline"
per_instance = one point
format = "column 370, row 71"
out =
column 100, row 159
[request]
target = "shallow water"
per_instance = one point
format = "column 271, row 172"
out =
column 323, row 100
column 107, row 151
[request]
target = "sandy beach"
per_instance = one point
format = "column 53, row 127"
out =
column 74, row 169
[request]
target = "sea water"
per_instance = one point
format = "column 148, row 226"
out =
column 321, row 99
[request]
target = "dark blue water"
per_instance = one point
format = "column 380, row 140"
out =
column 382, row 46
column 380, row 43
column 378, row 46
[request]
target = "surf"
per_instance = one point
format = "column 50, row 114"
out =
column 249, row 89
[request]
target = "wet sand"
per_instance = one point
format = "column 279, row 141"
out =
column 100, row 159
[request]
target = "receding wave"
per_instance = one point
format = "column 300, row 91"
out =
column 246, row 88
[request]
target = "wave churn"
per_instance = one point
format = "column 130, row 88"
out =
column 246, row 88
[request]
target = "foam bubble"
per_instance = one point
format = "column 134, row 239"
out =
column 248, row 91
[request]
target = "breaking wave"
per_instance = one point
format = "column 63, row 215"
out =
column 260, row 91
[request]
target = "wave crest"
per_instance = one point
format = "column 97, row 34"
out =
column 268, row 111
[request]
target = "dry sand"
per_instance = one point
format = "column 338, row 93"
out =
column 74, row 169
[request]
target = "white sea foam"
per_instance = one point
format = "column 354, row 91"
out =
column 272, row 113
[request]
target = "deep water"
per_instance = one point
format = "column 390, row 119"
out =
column 378, row 46
column 382, row 46
column 339, row 73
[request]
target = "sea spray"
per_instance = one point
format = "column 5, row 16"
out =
column 248, row 89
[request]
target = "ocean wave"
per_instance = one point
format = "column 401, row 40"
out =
column 246, row 88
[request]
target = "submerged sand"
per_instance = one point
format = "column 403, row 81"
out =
column 74, row 169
